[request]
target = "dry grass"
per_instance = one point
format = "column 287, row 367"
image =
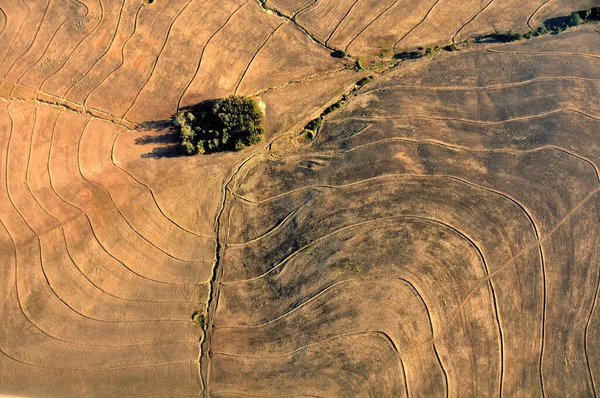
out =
column 447, row 208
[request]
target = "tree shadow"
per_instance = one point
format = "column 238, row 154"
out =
column 168, row 133
column 406, row 55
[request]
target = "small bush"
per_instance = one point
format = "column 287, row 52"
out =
column 308, row 135
column 339, row 54
column 429, row 51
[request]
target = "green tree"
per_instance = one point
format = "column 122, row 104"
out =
column 230, row 124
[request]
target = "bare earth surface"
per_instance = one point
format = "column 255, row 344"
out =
column 438, row 236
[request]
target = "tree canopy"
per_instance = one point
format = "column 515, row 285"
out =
column 230, row 124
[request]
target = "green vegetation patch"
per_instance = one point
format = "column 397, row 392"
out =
column 229, row 124
column 364, row 81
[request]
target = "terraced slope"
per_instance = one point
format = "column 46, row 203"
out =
column 110, row 241
column 437, row 238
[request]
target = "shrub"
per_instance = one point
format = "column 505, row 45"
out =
column 230, row 124
column 429, row 51
column 308, row 135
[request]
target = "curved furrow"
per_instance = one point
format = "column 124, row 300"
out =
column 122, row 216
column 573, row 211
column 339, row 283
column 203, row 50
column 369, row 25
column 89, row 221
column 405, row 378
column 47, row 47
column 377, row 333
column 147, row 187
column 55, row 338
column 559, row 53
column 468, row 149
column 270, row 231
column 33, row 41
column 498, row 86
column 254, row 57
column 416, row 141
column 428, row 311
column 237, row 394
column 135, row 22
column 124, row 116
column 471, row 20
column 5, row 21
column 535, row 12
column 116, row 207
column 44, row 273
column 416, row 26
column 78, row 44
column 18, row 297
column 478, row 122
column 304, row 9
column 585, row 335
column 12, row 42
column 535, row 230
column 101, row 56
column 29, row 320
column 340, row 22
column 283, row 262
column 384, row 334
column 59, row 225
column 154, row 365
